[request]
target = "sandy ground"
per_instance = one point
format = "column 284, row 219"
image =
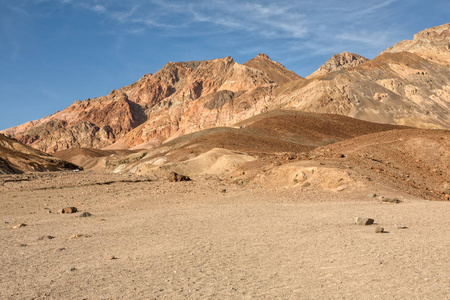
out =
column 194, row 240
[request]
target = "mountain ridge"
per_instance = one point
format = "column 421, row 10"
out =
column 396, row 87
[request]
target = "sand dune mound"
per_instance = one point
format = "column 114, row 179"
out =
column 17, row 158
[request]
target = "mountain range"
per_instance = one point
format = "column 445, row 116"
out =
column 408, row 84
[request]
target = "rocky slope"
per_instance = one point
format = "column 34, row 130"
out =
column 408, row 84
column 16, row 158
column 395, row 87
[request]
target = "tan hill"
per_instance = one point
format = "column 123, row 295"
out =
column 339, row 61
column 16, row 158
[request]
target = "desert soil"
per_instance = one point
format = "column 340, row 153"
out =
column 211, row 239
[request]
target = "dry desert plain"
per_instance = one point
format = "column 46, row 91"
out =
column 209, row 238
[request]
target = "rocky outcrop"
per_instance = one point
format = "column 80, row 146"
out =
column 339, row 61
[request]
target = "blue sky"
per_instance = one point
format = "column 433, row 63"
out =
column 54, row 52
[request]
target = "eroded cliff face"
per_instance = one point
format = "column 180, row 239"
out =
column 408, row 84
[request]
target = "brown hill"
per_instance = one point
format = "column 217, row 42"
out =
column 16, row 158
column 416, row 161
column 274, row 135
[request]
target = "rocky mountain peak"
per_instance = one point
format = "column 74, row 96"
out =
column 339, row 61
column 274, row 70
column 262, row 56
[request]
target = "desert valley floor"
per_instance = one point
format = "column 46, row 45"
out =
column 210, row 238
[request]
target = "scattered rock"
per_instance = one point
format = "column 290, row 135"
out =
column 73, row 269
column 112, row 257
column 69, row 210
column 19, row 225
column 364, row 221
column 379, row 229
column 223, row 191
column 371, row 195
column 390, row 200
column 45, row 237
column 85, row 215
column 78, row 236
column 342, row 187
column 402, row 227
column 175, row 177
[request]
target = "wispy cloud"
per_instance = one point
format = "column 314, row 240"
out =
column 318, row 23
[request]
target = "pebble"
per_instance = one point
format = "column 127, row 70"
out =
column 45, row 237
column 342, row 187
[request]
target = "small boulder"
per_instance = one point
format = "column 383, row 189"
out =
column 379, row 229
column 69, row 210
column 19, row 225
column 175, row 177
column 390, row 200
column 85, row 215
column 364, row 221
